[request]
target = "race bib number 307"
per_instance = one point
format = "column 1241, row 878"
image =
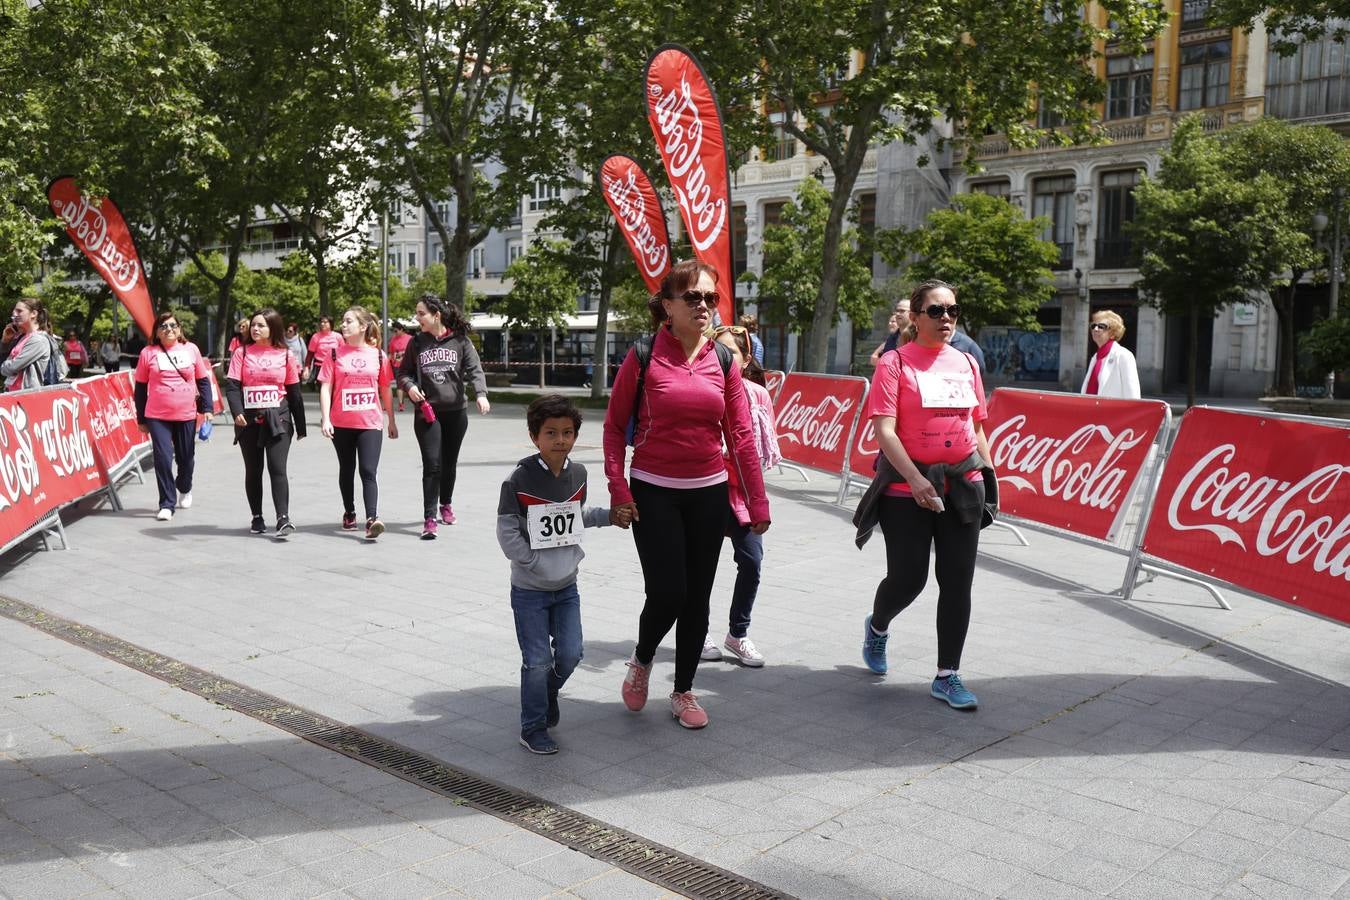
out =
column 554, row 524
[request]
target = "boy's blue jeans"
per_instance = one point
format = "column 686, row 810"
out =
column 748, row 551
column 548, row 629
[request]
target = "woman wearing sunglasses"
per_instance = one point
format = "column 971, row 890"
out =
column 927, row 406
column 1113, row 372
column 677, row 487
column 173, row 398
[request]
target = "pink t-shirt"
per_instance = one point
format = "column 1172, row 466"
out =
column 398, row 345
column 357, row 377
column 170, row 375
column 941, row 397
column 321, row 344
column 263, row 372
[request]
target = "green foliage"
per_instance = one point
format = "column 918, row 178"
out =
column 794, row 259
column 989, row 251
column 1329, row 344
column 1288, row 22
column 543, row 290
column 630, row 311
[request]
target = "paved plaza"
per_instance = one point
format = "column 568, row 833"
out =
column 1163, row 748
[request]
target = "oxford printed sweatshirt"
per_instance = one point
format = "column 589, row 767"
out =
column 442, row 368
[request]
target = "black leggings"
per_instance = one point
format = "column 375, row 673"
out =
column 678, row 538
column 440, row 442
column 275, row 455
column 910, row 531
column 362, row 444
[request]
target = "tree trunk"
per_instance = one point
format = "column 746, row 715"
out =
column 321, row 277
column 541, row 359
column 1283, row 300
column 1192, row 352
column 600, row 350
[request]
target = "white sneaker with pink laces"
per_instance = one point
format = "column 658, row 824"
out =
column 743, row 649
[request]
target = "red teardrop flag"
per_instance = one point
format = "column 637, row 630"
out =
column 633, row 200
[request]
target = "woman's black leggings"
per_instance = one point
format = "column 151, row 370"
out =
column 910, row 531
column 679, row 539
column 275, row 455
column 440, row 442
column 363, row 444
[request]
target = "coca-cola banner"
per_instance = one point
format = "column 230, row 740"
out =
column 637, row 209
column 815, row 416
column 862, row 455
column 111, row 414
column 1261, row 503
column 687, row 123
column 98, row 229
column 773, row 380
column 46, row 457
column 1070, row 461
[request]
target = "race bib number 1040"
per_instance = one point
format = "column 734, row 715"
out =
column 554, row 524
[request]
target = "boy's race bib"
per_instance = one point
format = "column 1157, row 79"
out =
column 359, row 400
column 263, row 396
column 554, row 524
column 939, row 390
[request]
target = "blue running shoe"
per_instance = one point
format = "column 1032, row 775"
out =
column 954, row 692
column 874, row 648
column 539, row 742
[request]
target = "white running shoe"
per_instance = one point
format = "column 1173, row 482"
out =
column 710, row 652
column 185, row 500
column 743, row 649
column 164, row 515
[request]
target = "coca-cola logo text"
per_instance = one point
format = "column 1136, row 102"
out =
column 89, row 229
column 682, row 147
column 64, row 443
column 19, row 475
column 631, row 210
column 1082, row 466
column 820, row 426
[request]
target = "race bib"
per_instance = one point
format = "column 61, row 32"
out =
column 262, row 396
column 554, row 524
column 941, row 390
column 359, row 400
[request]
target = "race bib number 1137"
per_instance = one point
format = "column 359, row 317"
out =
column 554, row 524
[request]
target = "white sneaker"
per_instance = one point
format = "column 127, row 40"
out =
column 743, row 649
column 185, row 500
column 164, row 515
column 710, row 652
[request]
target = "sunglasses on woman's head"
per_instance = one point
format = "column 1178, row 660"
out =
column 734, row 329
column 937, row 311
column 695, row 298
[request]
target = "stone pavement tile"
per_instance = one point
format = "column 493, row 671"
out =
column 70, row 881
column 1197, row 871
column 462, row 868
column 1224, row 848
column 294, row 882
column 969, row 868
column 1319, row 877
column 617, row 885
column 1086, row 872
column 1253, row 885
column 518, row 848
column 245, row 865
column 1252, row 827
column 1039, row 887
column 564, row 868
column 352, row 867
column 400, row 884
column 1147, row 886
column 170, row 884
column 1334, row 849
column 880, row 876
column 416, row 847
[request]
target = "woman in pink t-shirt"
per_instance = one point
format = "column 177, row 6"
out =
column 354, row 387
column 263, row 390
column 927, row 407
column 320, row 343
column 173, row 398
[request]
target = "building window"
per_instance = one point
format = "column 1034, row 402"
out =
column 783, row 145
column 1001, row 189
column 1115, row 209
column 1313, row 81
column 396, row 212
column 476, row 267
column 1129, row 86
column 1045, row 117
column 773, row 213
column 395, row 262
column 412, row 260
column 1204, row 75
column 544, row 196
column 443, row 212
column 738, row 235
column 1194, row 14
column 1053, row 198
column 439, row 253
column 512, row 251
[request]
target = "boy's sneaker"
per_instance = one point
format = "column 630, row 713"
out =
column 874, row 648
column 539, row 742
column 429, row 530
column 284, row 526
column 635, row 684
column 447, row 514
column 349, row 521
column 554, row 715
column 164, row 515
column 685, row 708
column 950, row 688
column 185, row 500
column 710, row 652
column 257, row 526
column 744, row 650
column 374, row 528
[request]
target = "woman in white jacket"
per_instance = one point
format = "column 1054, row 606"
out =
column 1112, row 372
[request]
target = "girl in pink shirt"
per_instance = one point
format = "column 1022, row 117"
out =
column 677, row 492
column 263, row 390
column 354, row 387
column 173, row 398
column 927, row 406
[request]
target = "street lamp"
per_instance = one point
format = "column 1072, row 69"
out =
column 1336, row 250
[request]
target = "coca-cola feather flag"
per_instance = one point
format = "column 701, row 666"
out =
column 633, row 200
column 687, row 123
column 98, row 229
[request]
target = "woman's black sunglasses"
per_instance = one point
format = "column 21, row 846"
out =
column 937, row 311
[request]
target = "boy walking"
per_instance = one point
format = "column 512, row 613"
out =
column 540, row 518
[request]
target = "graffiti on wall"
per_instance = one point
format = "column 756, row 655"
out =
column 1011, row 354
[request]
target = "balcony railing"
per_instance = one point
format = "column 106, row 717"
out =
column 1116, row 253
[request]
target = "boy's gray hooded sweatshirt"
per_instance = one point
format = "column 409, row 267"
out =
column 532, row 482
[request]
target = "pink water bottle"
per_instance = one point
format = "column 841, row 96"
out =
column 428, row 413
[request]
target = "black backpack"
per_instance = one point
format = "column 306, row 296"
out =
column 57, row 369
column 643, row 348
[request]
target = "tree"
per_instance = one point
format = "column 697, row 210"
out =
column 793, row 263
column 543, row 292
column 1329, row 343
column 1209, row 235
column 1288, row 22
column 983, row 66
column 989, row 251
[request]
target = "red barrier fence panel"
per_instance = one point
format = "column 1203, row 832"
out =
column 862, row 456
column 773, row 380
column 111, row 442
column 1261, row 503
column 46, row 457
column 815, row 415
column 1070, row 461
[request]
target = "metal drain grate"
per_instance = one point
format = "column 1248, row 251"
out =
column 623, row 849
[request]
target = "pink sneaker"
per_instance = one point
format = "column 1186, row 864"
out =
column 447, row 514
column 685, row 708
column 429, row 530
column 635, row 685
